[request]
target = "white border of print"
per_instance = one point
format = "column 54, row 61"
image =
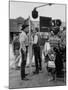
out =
column 4, row 44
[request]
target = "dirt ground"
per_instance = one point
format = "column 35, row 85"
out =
column 38, row 80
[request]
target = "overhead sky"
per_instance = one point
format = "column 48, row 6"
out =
column 24, row 9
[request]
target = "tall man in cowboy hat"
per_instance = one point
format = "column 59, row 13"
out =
column 23, row 49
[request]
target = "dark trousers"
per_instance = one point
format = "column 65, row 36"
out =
column 37, row 57
column 23, row 64
column 59, row 65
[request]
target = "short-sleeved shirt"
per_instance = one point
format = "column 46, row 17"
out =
column 23, row 40
column 16, row 44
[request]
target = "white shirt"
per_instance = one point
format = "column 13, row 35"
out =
column 47, row 47
column 35, row 39
column 23, row 40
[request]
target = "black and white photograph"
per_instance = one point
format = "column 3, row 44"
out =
column 37, row 44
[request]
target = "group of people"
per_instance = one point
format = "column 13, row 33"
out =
column 21, row 47
column 53, row 55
